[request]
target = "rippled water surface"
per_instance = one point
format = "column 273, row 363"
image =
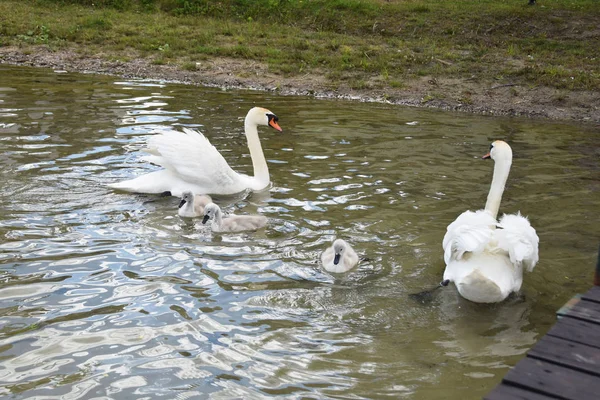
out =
column 107, row 294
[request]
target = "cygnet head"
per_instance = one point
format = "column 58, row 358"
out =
column 211, row 211
column 339, row 246
column 187, row 196
column 499, row 150
column 262, row 116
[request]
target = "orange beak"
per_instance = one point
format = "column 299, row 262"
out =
column 275, row 125
column 485, row 157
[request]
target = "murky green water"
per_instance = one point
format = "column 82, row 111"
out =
column 112, row 295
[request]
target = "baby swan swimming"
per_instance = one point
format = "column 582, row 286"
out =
column 231, row 223
column 340, row 257
column 193, row 205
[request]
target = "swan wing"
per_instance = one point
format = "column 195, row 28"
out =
column 470, row 232
column 519, row 239
column 190, row 155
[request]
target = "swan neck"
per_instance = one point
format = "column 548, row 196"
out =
column 259, row 163
column 218, row 219
column 501, row 171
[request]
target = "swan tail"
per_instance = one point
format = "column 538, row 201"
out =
column 477, row 288
column 154, row 182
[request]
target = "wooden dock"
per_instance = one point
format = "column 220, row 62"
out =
column 564, row 364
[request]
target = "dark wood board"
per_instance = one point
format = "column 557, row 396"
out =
column 568, row 354
column 505, row 392
column 553, row 380
column 576, row 330
column 592, row 295
column 584, row 310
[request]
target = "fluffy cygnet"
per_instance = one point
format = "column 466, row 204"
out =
column 340, row 257
column 193, row 205
column 231, row 223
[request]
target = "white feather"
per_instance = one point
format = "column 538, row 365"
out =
column 519, row 239
column 470, row 232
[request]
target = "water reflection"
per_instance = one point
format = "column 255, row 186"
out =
column 107, row 294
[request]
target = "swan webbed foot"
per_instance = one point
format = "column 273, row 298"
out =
column 426, row 296
column 165, row 193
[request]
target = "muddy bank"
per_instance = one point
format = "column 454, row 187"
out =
column 473, row 94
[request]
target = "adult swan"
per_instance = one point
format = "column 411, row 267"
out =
column 485, row 258
column 191, row 163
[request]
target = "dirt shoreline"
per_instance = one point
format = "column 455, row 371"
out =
column 472, row 95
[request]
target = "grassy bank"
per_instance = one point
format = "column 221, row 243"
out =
column 359, row 43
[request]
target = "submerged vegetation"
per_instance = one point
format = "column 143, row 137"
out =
column 365, row 42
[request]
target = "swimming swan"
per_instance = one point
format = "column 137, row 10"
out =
column 340, row 257
column 485, row 258
column 231, row 223
column 192, row 205
column 190, row 162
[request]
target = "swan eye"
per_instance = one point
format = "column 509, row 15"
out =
column 272, row 117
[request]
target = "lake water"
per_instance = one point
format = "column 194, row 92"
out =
column 107, row 294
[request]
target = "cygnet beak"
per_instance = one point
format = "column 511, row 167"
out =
column 336, row 259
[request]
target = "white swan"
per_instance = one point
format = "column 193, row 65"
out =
column 340, row 257
column 485, row 258
column 192, row 205
column 190, row 162
column 231, row 223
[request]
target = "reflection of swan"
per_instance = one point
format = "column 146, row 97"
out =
column 340, row 257
column 190, row 162
column 193, row 205
column 484, row 257
column 231, row 223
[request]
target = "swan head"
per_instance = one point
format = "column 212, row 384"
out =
column 211, row 211
column 262, row 116
column 499, row 150
column 339, row 246
column 186, row 197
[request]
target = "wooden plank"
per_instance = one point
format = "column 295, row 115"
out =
column 577, row 330
column 568, row 354
column 564, row 310
column 592, row 295
column 506, row 392
column 584, row 310
column 553, row 380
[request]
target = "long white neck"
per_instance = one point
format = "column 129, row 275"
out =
column 501, row 171
column 259, row 163
column 217, row 220
column 186, row 210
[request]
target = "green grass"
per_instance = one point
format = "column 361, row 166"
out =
column 555, row 43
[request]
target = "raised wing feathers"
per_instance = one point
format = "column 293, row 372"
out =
column 470, row 232
column 191, row 156
column 519, row 239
